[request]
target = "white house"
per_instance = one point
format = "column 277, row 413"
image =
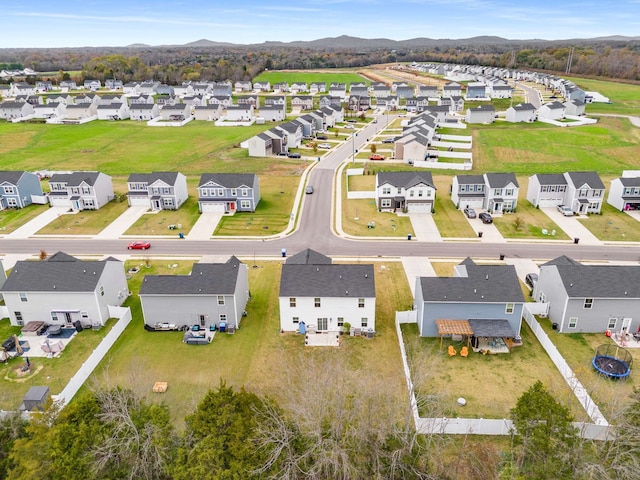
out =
column 208, row 113
column 583, row 192
column 412, row 191
column 316, row 294
column 523, row 112
column 481, row 114
column 240, row 113
column 157, row 190
column 552, row 111
column 624, row 193
column 80, row 190
column 113, row 111
column 143, row 111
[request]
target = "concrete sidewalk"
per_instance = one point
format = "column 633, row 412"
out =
column 121, row 224
column 415, row 267
column 424, row 226
column 490, row 234
column 35, row 225
column 205, row 226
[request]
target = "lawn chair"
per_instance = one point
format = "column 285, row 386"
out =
column 452, row 351
column 464, row 352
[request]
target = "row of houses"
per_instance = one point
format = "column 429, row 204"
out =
column 217, row 192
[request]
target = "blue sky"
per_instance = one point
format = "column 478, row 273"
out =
column 72, row 23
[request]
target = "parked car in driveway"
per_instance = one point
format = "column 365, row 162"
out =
column 324, row 145
column 566, row 211
column 389, row 140
column 376, row 156
column 349, row 126
column 470, row 212
column 352, row 120
column 531, row 279
column 322, row 137
column 485, row 217
column 294, row 155
column 139, row 245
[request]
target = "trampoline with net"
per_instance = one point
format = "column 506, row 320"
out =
column 612, row 361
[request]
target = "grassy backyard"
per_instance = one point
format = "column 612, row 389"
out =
column 292, row 76
column 625, row 98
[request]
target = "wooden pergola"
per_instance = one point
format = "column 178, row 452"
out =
column 454, row 327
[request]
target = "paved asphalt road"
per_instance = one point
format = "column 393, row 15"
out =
column 532, row 95
column 315, row 232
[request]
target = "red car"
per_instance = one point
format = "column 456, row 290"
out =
column 138, row 245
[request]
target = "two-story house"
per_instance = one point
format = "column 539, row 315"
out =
column 523, row 112
column 316, row 293
column 17, row 187
column 62, row 290
column 583, row 192
column 211, row 294
column 501, row 192
column 624, row 193
column 228, row 192
column 481, row 114
column 80, row 190
column 468, row 191
column 157, row 190
column 412, row 191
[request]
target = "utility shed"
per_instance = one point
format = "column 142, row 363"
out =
column 35, row 399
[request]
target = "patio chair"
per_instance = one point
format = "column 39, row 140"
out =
column 452, row 351
column 464, row 351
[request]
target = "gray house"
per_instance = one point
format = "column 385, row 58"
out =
column 590, row 298
column 210, row 294
column 16, row 188
column 228, row 192
column 412, row 190
column 502, row 192
column 157, row 190
column 63, row 289
column 624, row 193
column 583, row 192
column 481, row 114
column 80, row 190
column 488, row 296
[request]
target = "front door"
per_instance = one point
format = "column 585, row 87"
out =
column 67, row 318
column 232, row 206
column 626, row 324
column 323, row 324
column 156, row 204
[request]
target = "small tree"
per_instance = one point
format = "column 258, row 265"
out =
column 374, row 148
column 42, row 255
column 518, row 224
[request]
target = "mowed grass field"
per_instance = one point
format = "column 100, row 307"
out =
column 291, row 76
column 625, row 98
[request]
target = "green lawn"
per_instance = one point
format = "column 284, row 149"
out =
column 158, row 223
column 256, row 353
column 11, row 219
column 613, row 225
column 85, row 222
column 625, row 98
column 308, row 77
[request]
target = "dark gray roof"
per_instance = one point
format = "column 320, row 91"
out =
column 142, row 106
column 290, row 127
column 406, row 179
column 523, row 107
column 204, row 279
column 551, row 179
column 177, row 106
column 11, row 176
column 554, row 105
column 501, row 180
column 483, row 108
column 562, row 260
column 58, row 273
column 12, row 105
column 229, row 180
column 167, row 177
column 470, row 179
column 483, row 284
column 626, row 181
column 491, row 327
column 327, row 281
column 308, row 257
column 75, row 178
column 589, row 178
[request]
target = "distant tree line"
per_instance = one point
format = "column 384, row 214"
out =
column 620, row 60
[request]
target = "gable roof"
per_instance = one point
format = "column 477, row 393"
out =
column 59, row 273
column 551, row 179
column 204, row 279
column 626, row 181
column 11, row 176
column 523, row 107
column 405, row 179
column 75, row 178
column 501, row 180
column 482, row 284
column 299, row 280
column 589, row 178
column 229, row 180
column 469, row 179
column 308, row 257
column 167, row 177
column 554, row 105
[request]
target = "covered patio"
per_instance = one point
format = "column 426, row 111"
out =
column 460, row 328
column 492, row 335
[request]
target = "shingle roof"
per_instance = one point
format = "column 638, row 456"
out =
column 308, row 257
column 470, row 179
column 523, row 107
column 491, row 327
column 204, row 279
column 75, row 178
column 551, row 179
column 11, row 176
column 627, row 181
column 590, row 178
column 229, row 180
column 167, row 177
column 501, row 180
column 406, row 179
column 60, row 273
column 483, row 284
column 327, row 281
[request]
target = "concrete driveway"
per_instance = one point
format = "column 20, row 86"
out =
column 121, row 224
column 33, row 226
column 490, row 233
column 572, row 226
column 205, row 226
column 635, row 214
column 415, row 267
column 424, row 227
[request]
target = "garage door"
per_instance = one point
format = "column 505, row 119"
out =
column 139, row 201
column 419, row 208
column 471, row 203
column 550, row 202
column 59, row 201
column 213, row 208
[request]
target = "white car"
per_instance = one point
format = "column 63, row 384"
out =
column 324, row 145
column 566, row 211
column 349, row 126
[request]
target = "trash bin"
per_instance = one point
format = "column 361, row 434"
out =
column 284, row 252
column 502, row 256
column 479, row 234
column 408, row 236
column 554, row 326
column 576, row 240
column 181, row 235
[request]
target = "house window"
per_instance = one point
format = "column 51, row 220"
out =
column 323, row 324
column 542, row 297
column 588, row 303
column 364, row 322
column 386, row 190
column 223, row 317
column 12, row 202
column 562, row 188
column 509, row 192
column 8, row 190
column 245, row 204
column 385, row 202
column 86, row 190
column 102, row 290
column 411, row 193
column 234, row 192
column 19, row 319
column 361, row 303
column 497, row 191
column 54, row 316
column 220, row 192
column 340, row 321
column 509, row 308
column 419, row 193
column 84, row 314
column 292, row 302
column 23, row 297
column 399, row 191
column 245, row 192
column 220, row 299
column 296, row 319
column 316, row 302
column 612, row 323
column 573, row 322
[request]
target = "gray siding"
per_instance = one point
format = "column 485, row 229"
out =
column 185, row 310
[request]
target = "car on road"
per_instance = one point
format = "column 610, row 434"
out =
column 294, row 155
column 139, row 245
column 531, row 279
column 324, row 145
column 309, row 189
column 470, row 212
column 376, row 156
column 485, row 217
column 566, row 211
